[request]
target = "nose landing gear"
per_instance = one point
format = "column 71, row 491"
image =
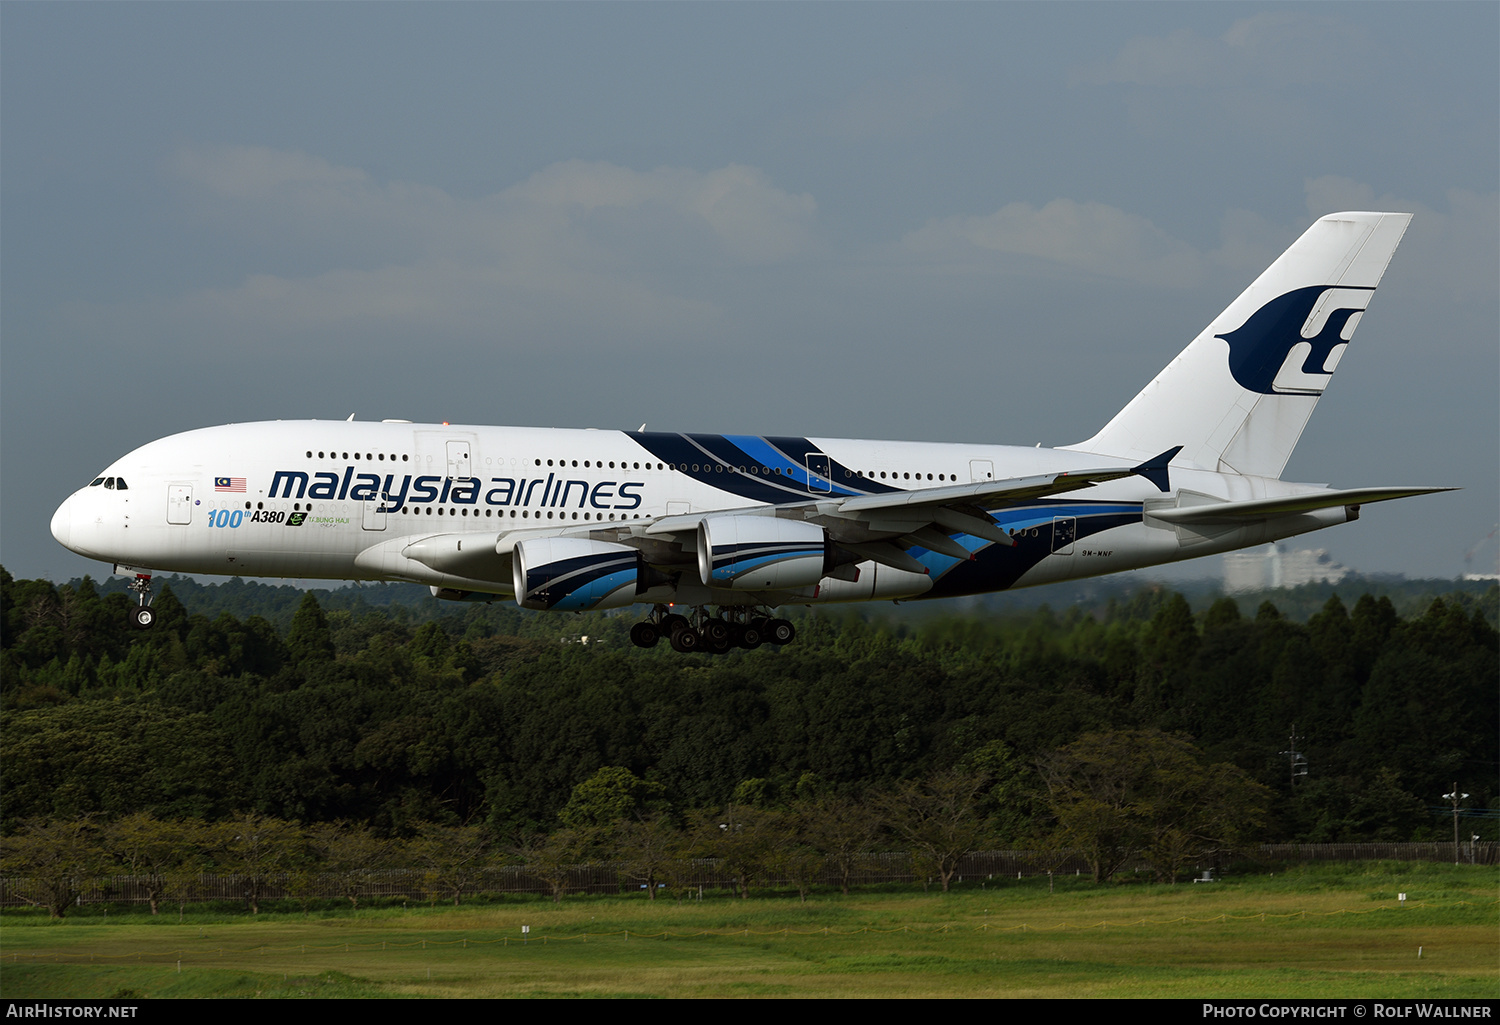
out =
column 143, row 616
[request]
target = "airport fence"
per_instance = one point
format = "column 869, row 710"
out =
column 693, row 876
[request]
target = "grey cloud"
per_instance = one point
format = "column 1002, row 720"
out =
column 1278, row 49
column 886, row 111
column 750, row 220
column 1248, row 242
column 1271, row 76
column 250, row 171
column 753, row 221
column 579, row 249
column 1088, row 237
column 1453, row 253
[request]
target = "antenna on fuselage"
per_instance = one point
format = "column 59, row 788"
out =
column 641, row 429
column 350, row 420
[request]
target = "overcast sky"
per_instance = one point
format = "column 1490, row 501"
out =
column 967, row 222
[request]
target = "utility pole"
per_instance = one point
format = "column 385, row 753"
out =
column 1455, row 797
column 1296, row 760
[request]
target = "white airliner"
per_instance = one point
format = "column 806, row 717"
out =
column 713, row 532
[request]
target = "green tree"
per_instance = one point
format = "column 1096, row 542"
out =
column 349, row 855
column 1222, row 614
column 1120, row 795
column 843, row 832
column 610, row 794
column 48, row 862
column 649, row 849
column 310, row 641
column 159, row 854
column 257, row 848
column 1353, row 809
column 114, row 759
column 455, row 858
column 794, row 855
column 553, row 857
column 742, row 840
column 939, row 819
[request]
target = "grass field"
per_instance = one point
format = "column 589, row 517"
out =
column 1313, row 932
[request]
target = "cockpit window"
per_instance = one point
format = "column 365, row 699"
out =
column 109, row 482
column 120, row 484
column 97, row 482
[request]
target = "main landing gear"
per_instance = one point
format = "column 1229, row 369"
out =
column 731, row 628
column 143, row 616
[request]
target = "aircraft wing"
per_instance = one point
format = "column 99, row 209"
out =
column 1014, row 489
column 881, row 527
column 875, row 527
column 1261, row 508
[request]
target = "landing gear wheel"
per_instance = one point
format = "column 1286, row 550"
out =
column 686, row 640
column 716, row 645
column 671, row 623
column 779, row 631
column 716, row 631
column 644, row 635
column 142, row 616
column 750, row 638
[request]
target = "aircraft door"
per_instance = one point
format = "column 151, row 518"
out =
column 981, row 469
column 374, row 512
column 819, row 474
column 179, row 503
column 459, row 459
column 1064, row 533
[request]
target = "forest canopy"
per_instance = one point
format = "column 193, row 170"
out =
column 399, row 717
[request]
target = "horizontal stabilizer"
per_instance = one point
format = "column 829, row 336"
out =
column 1263, row 508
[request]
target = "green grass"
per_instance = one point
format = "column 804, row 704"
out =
column 1313, row 931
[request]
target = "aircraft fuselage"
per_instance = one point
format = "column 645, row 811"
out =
column 346, row 501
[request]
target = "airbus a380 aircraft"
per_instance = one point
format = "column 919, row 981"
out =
column 713, row 532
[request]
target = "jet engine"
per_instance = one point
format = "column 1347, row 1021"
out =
column 575, row 574
column 761, row 553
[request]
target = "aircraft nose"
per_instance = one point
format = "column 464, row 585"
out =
column 62, row 523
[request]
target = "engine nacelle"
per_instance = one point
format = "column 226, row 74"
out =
column 575, row 574
column 761, row 553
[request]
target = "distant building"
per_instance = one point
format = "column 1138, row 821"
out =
column 1248, row 570
column 1270, row 567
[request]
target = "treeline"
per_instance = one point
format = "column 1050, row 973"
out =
column 1115, row 798
column 1105, row 598
column 482, row 718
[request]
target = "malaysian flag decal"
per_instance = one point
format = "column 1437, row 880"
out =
column 236, row 484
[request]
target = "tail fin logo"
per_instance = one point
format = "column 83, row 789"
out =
column 1291, row 345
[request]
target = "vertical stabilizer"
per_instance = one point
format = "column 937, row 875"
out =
column 1238, row 397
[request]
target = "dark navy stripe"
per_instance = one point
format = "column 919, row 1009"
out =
column 716, row 454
